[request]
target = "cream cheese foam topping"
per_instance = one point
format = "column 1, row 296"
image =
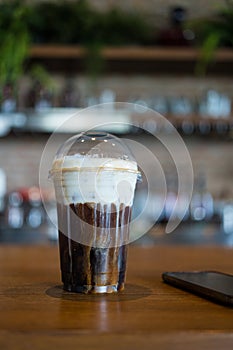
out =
column 85, row 179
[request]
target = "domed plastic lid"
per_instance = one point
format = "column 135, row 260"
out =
column 95, row 144
column 94, row 168
column 90, row 150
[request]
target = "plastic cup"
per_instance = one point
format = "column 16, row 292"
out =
column 94, row 176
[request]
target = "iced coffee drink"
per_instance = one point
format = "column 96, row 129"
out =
column 95, row 177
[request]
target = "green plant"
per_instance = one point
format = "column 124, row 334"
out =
column 78, row 22
column 14, row 41
column 63, row 22
column 40, row 74
column 214, row 33
column 121, row 28
column 57, row 22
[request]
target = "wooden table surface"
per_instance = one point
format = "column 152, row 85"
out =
column 35, row 313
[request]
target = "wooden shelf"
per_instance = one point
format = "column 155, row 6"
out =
column 127, row 53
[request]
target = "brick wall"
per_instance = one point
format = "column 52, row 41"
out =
column 20, row 158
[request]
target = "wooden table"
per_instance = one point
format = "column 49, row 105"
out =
column 35, row 313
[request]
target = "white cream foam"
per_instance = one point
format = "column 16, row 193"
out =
column 82, row 179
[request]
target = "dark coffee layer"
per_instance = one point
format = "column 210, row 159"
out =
column 85, row 267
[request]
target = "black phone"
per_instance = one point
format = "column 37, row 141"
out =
column 213, row 285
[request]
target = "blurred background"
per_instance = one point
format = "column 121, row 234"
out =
column 174, row 57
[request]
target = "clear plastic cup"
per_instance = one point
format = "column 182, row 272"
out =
column 94, row 176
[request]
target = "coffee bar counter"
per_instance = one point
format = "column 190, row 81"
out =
column 36, row 313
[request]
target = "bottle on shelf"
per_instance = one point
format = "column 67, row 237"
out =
column 70, row 96
column 15, row 210
column 39, row 97
column 202, row 205
column 175, row 34
column 8, row 103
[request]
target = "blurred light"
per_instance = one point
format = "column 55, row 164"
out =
column 208, row 204
column 19, row 120
column 8, row 106
column 2, row 183
column 170, row 204
column 182, row 203
column 228, row 219
column 34, row 218
column 107, row 96
column 15, row 199
column 180, row 106
column 140, row 106
column 5, row 125
column 216, row 105
column 160, row 104
column 15, row 217
column 187, row 127
column 150, row 125
column 199, row 213
column 34, row 195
